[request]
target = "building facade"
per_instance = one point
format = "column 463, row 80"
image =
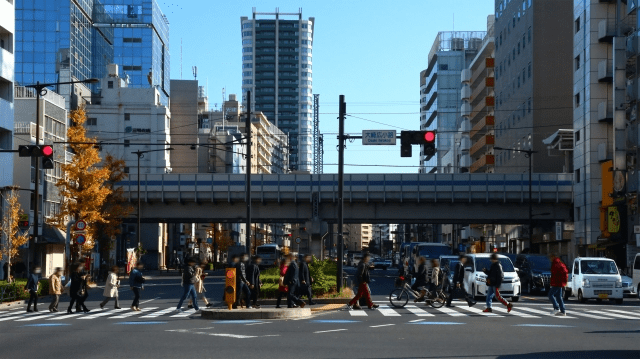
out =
column 58, row 41
column 440, row 102
column 140, row 43
column 7, row 65
column 277, row 69
column 605, row 126
column 48, row 250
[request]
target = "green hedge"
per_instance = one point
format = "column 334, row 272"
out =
column 15, row 291
column 322, row 272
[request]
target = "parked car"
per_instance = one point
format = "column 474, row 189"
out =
column 475, row 281
column 628, row 289
column 534, row 271
column 381, row 263
column 594, row 278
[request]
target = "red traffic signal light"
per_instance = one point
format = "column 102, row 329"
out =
column 47, row 151
column 35, row 151
column 430, row 136
column 47, row 157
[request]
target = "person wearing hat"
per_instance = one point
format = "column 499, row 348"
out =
column 189, row 279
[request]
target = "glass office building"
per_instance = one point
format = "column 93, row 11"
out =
column 141, row 42
column 276, row 67
column 56, row 41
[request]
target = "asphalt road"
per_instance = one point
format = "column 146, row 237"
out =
column 593, row 330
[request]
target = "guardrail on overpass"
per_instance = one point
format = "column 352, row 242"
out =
column 222, row 196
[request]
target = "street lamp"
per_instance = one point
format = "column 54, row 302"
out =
column 528, row 154
column 140, row 155
column 41, row 90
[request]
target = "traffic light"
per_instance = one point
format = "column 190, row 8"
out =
column 425, row 138
column 35, row 151
column 47, row 157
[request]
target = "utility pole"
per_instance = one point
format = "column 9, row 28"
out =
column 341, row 143
column 248, row 173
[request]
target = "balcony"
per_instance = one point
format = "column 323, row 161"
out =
column 605, row 71
column 483, row 143
column 483, row 163
column 465, row 109
column 485, row 124
column 465, row 92
column 606, row 30
column 465, row 76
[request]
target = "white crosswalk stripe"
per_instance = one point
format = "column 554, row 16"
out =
column 185, row 314
column 132, row 313
column 103, row 313
column 388, row 312
column 358, row 313
column 158, row 313
column 480, row 312
column 629, row 313
column 451, row 312
column 35, row 317
column 12, row 317
column 514, row 312
column 417, row 311
column 547, row 313
column 588, row 315
column 601, row 312
column 64, row 315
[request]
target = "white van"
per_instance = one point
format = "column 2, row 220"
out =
column 594, row 278
column 636, row 274
column 475, row 281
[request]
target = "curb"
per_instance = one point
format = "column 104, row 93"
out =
column 244, row 314
column 318, row 301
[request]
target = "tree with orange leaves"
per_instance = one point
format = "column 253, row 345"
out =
column 13, row 235
column 85, row 185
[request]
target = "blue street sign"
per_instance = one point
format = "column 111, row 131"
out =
column 209, row 240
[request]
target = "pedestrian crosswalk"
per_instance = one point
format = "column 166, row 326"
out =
column 522, row 311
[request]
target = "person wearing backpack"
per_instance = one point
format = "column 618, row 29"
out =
column 189, row 279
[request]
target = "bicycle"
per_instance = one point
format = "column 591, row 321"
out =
column 399, row 297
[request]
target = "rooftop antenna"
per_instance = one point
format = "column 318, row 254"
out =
column 195, row 72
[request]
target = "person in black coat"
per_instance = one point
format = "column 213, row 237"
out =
column 77, row 290
column 306, row 280
column 292, row 280
column 458, row 280
column 363, row 276
column 242, row 283
column 422, row 279
column 495, row 276
column 32, row 287
column 253, row 276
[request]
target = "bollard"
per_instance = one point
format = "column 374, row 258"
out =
column 230, row 287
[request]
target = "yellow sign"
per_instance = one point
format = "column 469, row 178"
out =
column 613, row 219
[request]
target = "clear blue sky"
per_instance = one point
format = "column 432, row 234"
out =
column 371, row 51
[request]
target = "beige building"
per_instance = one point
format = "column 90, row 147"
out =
column 358, row 237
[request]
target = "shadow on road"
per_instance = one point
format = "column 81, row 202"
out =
column 576, row 354
column 614, row 332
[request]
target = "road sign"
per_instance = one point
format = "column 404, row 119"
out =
column 379, row 137
column 209, row 240
column 298, row 240
column 81, row 225
column 80, row 239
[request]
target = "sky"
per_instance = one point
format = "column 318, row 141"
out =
column 370, row 51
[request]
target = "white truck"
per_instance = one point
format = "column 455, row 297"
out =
column 594, row 278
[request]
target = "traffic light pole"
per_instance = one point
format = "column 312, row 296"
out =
column 341, row 143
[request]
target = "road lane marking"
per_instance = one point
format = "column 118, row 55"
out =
column 46, row 325
column 419, row 312
column 547, row 314
column 150, row 300
column 65, row 315
column 416, row 320
column 514, row 312
column 35, row 317
column 358, row 313
column 480, row 312
column 437, row 323
column 633, row 315
column 583, row 314
column 451, row 312
column 327, row 331
column 544, row 325
column 388, row 312
column 381, row 325
column 158, row 313
column 102, row 314
column 186, row 313
column 132, row 313
column 139, row 323
column 14, row 317
column 613, row 314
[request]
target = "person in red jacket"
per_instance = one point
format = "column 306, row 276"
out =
column 282, row 288
column 559, row 275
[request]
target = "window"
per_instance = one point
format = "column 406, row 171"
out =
column 132, row 39
column 529, row 74
column 529, row 34
column 577, row 99
column 577, row 176
column 127, row 117
column 523, row 42
column 577, row 22
column 443, row 67
column 577, row 136
column 126, row 143
column 92, row 121
column 518, row 47
column 523, row 76
column 514, row 53
column 577, row 61
column 131, row 68
column 110, row 84
column 126, row 170
column 529, row 105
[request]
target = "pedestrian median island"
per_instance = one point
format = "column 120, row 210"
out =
column 262, row 313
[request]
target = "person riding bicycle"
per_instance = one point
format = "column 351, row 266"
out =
column 422, row 279
column 435, row 277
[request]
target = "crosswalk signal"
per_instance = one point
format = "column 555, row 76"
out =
column 429, row 146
